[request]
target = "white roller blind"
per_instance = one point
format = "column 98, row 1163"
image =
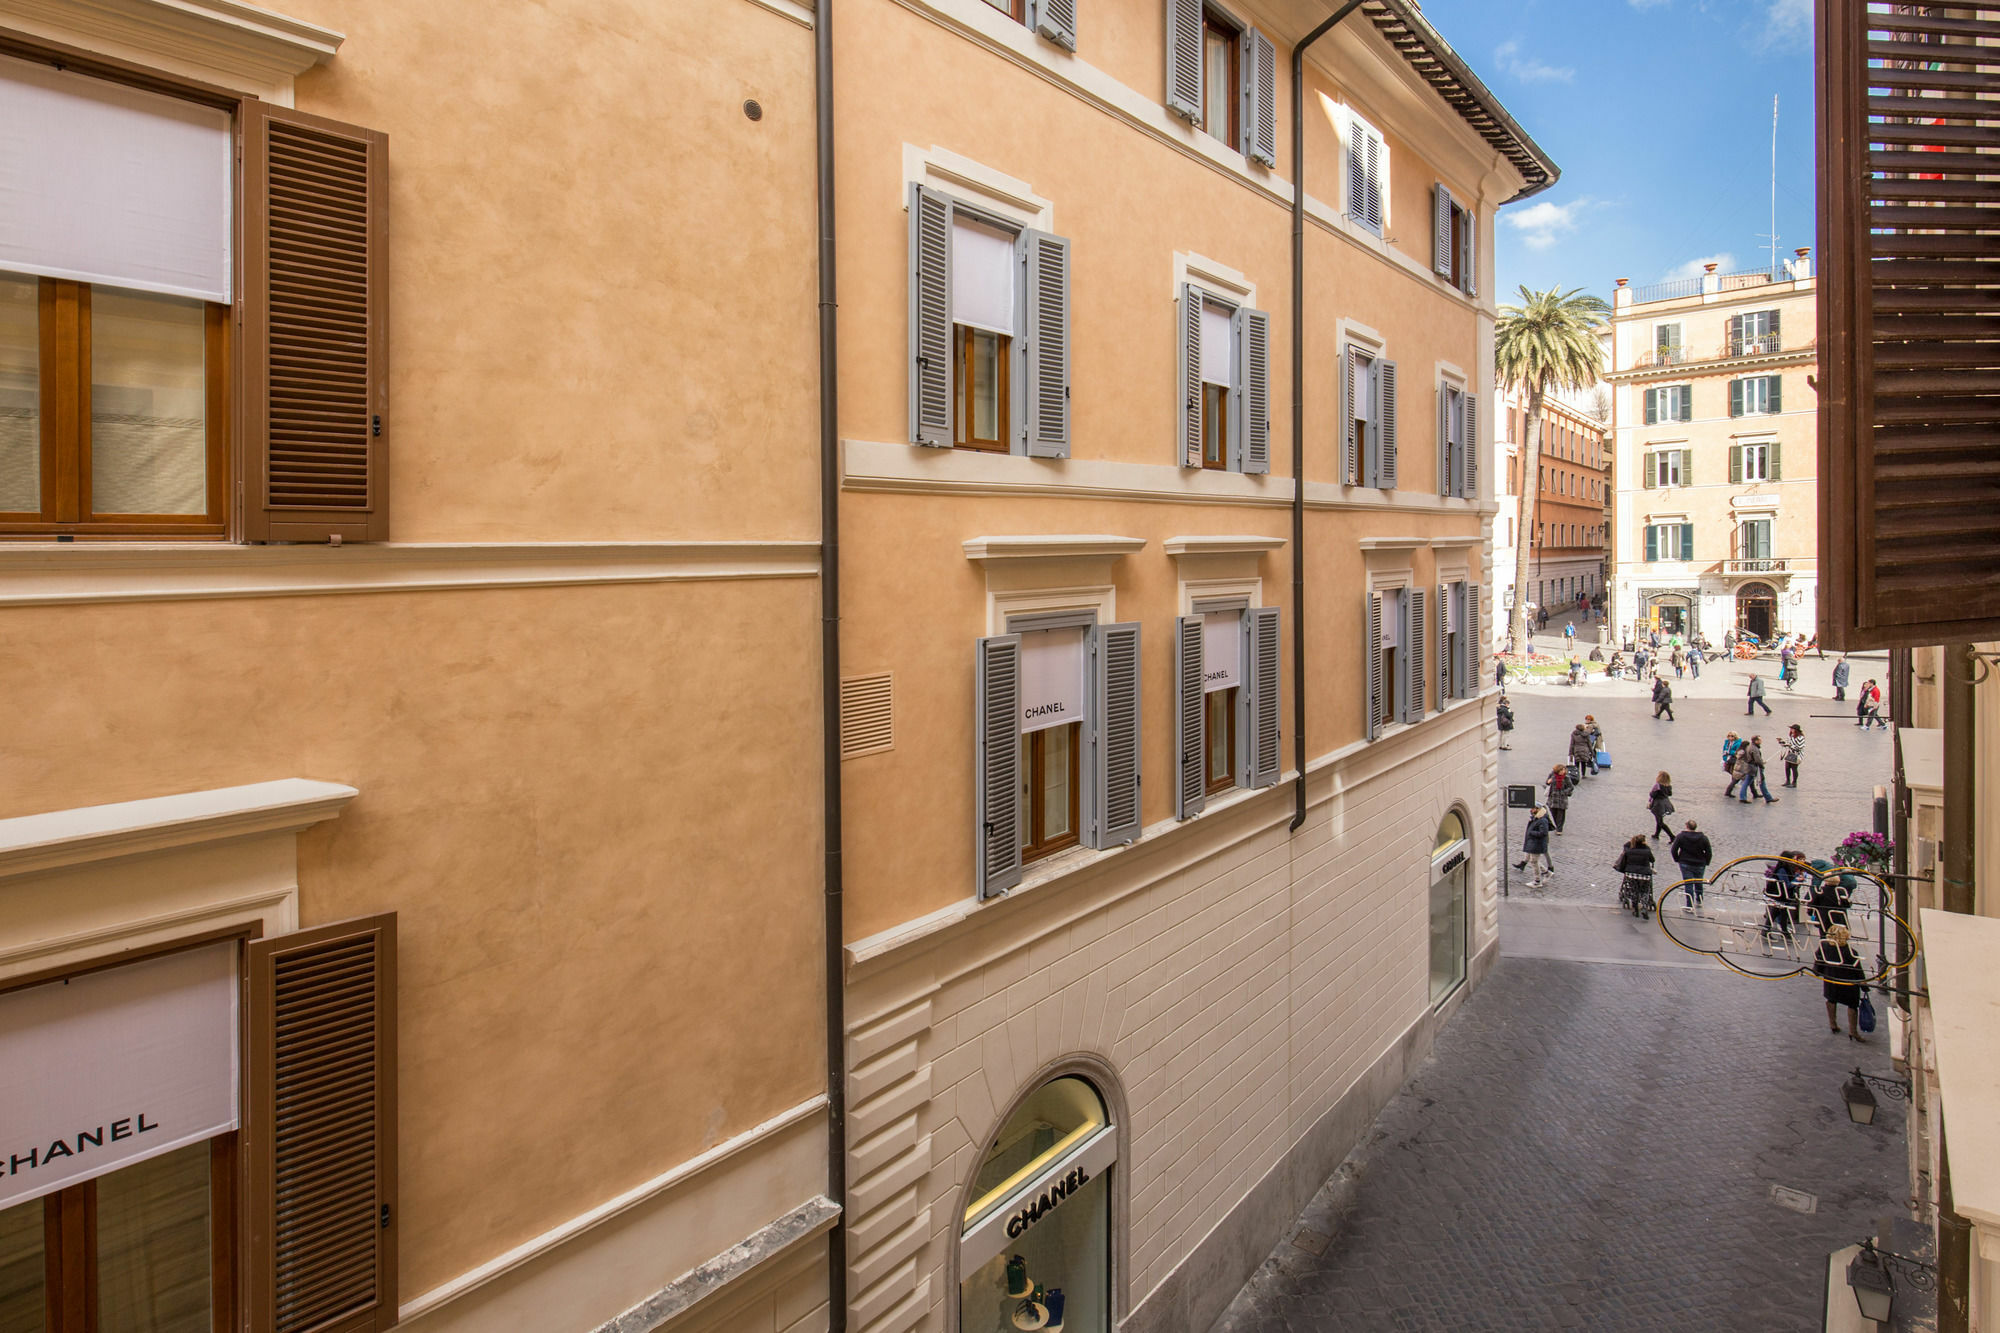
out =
column 1364, row 391
column 104, row 183
column 1051, row 678
column 1221, row 650
column 982, row 277
column 1392, row 618
column 1217, row 365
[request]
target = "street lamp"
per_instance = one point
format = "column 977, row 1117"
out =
column 1870, row 1276
column 1861, row 1102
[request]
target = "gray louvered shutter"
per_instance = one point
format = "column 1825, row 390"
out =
column 996, row 763
column 1447, row 406
column 1261, row 625
column 1652, row 406
column 1190, row 376
column 1447, row 656
column 1115, row 718
column 930, row 318
column 1736, row 398
column 1184, row 58
column 1441, row 253
column 1385, row 400
column 1374, row 181
column 1056, row 20
column 1777, row 392
column 1373, row 610
column 1469, row 435
column 1190, row 721
column 1262, row 135
column 1350, row 450
column 1253, row 349
column 1684, row 398
column 1357, row 171
column 1473, row 647
column 1416, row 633
column 1468, row 246
column 1045, row 266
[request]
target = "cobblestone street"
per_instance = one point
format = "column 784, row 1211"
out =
column 1607, row 1134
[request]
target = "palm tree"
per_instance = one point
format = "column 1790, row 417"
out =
column 1548, row 341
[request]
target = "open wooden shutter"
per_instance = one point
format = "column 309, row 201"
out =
column 1447, row 656
column 1774, row 469
column 1253, row 348
column 1115, row 717
column 1441, row 245
column 1687, row 541
column 1736, row 335
column 1652, row 541
column 319, row 1119
column 1649, row 470
column 1735, row 462
column 1350, row 448
column 1184, row 58
column 930, row 318
column 1262, row 70
column 1447, row 410
column 1472, row 648
column 1684, row 399
column 1056, row 20
column 1190, row 721
column 1416, row 633
column 1373, row 610
column 1261, row 626
column 1045, row 268
column 1375, row 156
column 1189, row 432
column 996, row 764
column 315, row 347
column 1385, row 394
column 1735, row 398
column 1687, row 467
column 1470, row 445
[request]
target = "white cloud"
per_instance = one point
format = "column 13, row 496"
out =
column 1542, row 225
column 1648, row 4
column 1788, row 23
column 1528, row 69
column 1695, row 267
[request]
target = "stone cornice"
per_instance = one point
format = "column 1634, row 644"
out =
column 30, row 844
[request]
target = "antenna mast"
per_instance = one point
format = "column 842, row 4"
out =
column 1774, row 186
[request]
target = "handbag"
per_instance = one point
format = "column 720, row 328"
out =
column 1866, row 1018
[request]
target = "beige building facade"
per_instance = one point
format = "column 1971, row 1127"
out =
column 1569, row 545
column 1716, row 503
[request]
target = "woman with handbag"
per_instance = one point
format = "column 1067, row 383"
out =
column 1661, row 802
column 1839, row 969
column 1535, row 845
column 1558, row 784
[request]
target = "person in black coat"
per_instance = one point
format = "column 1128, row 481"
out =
column 1663, row 698
column 1692, row 852
column 1661, row 802
column 1635, row 863
column 1557, row 783
column 1841, row 975
column 1535, row 842
column 1503, row 717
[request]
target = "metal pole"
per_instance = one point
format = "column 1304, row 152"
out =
column 1506, row 849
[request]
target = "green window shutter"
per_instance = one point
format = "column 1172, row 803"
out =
column 1648, row 470
column 1652, row 407
column 1652, row 542
column 1190, row 721
column 1114, row 749
column 1687, row 402
column 1773, row 317
column 1736, row 335
column 1687, row 541
column 1777, row 403
column 1777, row 473
column 1735, row 464
column 996, row 764
column 1045, row 349
column 1184, row 58
column 930, row 318
column 1687, row 467
column 1736, row 398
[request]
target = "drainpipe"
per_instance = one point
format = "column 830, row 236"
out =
column 829, row 684
column 1959, row 671
column 1299, row 405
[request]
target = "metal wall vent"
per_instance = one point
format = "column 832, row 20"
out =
column 867, row 715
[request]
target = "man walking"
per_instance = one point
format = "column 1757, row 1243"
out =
column 1692, row 852
column 1694, row 660
column 1840, row 679
column 1756, row 697
column 1752, row 756
column 1663, row 698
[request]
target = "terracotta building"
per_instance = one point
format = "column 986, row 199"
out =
column 1568, row 548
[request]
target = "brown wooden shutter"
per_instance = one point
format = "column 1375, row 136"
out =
column 315, row 331
column 320, row 1129
column 1909, row 309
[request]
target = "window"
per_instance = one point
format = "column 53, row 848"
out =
column 1052, row 788
column 1398, row 633
column 984, row 294
column 1755, row 396
column 1671, row 402
column 1458, row 640
column 1368, row 388
column 1667, row 344
column 1221, row 79
column 1367, row 174
column 1226, row 700
column 1755, row 462
column 1667, row 467
column 1458, row 442
column 1225, row 403
column 1754, row 333
column 1753, row 539
column 1222, row 75
column 1454, row 246
column 1013, row 9
column 1670, row 541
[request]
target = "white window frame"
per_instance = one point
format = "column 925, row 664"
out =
column 1761, row 452
column 1666, row 474
column 1674, row 526
column 1769, row 525
column 1680, row 337
column 1756, row 403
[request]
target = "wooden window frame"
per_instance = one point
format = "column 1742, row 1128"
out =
column 1213, row 21
column 1215, row 396
column 1016, row 10
column 964, row 335
column 1231, row 711
column 1034, row 749
column 63, row 309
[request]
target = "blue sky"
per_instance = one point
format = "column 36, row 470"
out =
column 1659, row 114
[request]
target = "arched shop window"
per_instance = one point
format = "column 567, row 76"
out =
column 1035, row 1251
column 1451, row 856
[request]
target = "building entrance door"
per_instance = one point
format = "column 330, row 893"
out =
column 1756, row 610
column 1673, row 620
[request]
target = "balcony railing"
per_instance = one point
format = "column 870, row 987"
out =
column 1663, row 357
column 1763, row 346
column 1763, row 565
column 1675, row 288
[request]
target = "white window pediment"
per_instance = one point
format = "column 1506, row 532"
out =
column 235, row 45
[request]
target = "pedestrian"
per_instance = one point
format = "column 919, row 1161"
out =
column 1831, row 894
column 1840, row 978
column 1635, row 864
column 1499, row 671
column 1788, row 670
column 1694, row 660
column 1535, row 843
column 1839, row 679
column 1730, row 745
column 1756, row 697
column 1541, row 617
column 1780, row 903
column 1582, row 750
column 1680, row 662
column 1558, row 803
column 1596, row 734
column 1871, row 705
column 1640, row 659
column 1793, row 747
column 1661, row 802
column 1569, row 631
column 1729, row 641
column 1663, row 698
column 1751, row 757
column 1503, row 715
column 1692, row 852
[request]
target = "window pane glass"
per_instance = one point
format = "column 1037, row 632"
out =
column 1054, row 1120
column 1447, row 933
column 1056, row 745
column 1214, row 423
column 1215, row 90
column 20, row 396
column 148, row 400
column 985, row 386
column 1221, row 708
column 22, row 1269
column 152, row 1245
